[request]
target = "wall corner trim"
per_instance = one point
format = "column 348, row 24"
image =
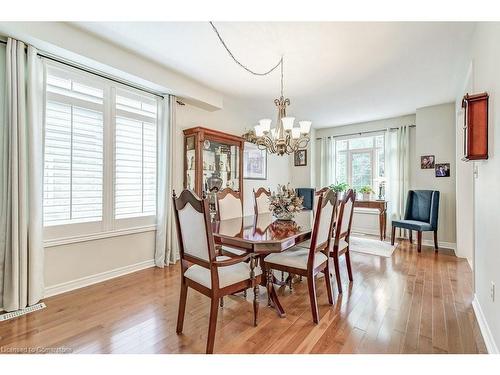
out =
column 96, row 278
column 489, row 341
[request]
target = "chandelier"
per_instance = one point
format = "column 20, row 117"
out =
column 285, row 138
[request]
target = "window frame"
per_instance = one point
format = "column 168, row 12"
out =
column 349, row 154
column 55, row 235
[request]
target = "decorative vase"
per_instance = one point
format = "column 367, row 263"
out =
column 366, row 196
column 214, row 182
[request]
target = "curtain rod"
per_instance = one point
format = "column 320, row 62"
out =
column 49, row 56
column 361, row 133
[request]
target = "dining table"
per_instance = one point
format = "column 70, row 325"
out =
column 260, row 235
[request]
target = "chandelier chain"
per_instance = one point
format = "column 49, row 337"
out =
column 278, row 64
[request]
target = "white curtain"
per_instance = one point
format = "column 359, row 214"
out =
column 397, row 144
column 22, row 168
column 165, row 253
column 327, row 161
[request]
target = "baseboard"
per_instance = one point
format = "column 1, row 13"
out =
column 489, row 341
column 97, row 278
column 442, row 244
column 375, row 232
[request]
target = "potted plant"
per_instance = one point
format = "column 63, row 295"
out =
column 339, row 188
column 366, row 191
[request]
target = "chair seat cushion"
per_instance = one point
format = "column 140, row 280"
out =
column 305, row 244
column 295, row 257
column 343, row 244
column 228, row 275
column 412, row 225
column 232, row 250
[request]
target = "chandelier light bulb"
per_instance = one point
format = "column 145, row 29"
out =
column 305, row 126
column 258, row 131
column 295, row 133
column 288, row 123
column 265, row 124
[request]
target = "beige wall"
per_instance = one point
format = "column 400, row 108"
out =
column 436, row 136
column 367, row 221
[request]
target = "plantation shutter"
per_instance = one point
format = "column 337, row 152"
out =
column 73, row 150
column 135, row 154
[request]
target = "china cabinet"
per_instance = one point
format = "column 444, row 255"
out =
column 213, row 160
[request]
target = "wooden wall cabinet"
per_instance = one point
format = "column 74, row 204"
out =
column 475, row 126
column 211, row 153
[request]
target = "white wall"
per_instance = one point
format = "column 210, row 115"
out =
column 485, row 56
column 68, row 41
column 464, row 182
column 2, row 173
column 304, row 176
column 436, row 136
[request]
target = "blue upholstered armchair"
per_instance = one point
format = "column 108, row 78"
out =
column 421, row 215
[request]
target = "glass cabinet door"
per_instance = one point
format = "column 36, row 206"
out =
column 191, row 163
column 220, row 166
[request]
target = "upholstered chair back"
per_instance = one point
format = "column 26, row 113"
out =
column 261, row 200
column 423, row 205
column 231, row 227
column 193, row 226
column 345, row 211
column 323, row 221
column 229, row 204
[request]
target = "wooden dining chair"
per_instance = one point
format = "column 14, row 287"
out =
column 214, row 276
column 261, row 200
column 229, row 206
column 317, row 194
column 310, row 262
column 342, row 234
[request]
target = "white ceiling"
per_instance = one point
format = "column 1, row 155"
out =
column 335, row 73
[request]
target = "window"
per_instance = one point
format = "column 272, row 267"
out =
column 99, row 155
column 359, row 161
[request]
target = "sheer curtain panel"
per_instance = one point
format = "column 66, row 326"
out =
column 21, row 197
column 165, row 253
column 327, row 161
column 397, row 151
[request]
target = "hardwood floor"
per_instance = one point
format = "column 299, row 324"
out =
column 410, row 303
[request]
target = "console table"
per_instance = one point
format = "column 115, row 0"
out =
column 381, row 206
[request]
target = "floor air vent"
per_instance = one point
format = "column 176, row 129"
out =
column 18, row 313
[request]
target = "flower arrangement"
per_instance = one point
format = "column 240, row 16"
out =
column 284, row 203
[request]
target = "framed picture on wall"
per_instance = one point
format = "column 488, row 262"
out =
column 254, row 162
column 427, row 162
column 443, row 170
column 300, row 158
